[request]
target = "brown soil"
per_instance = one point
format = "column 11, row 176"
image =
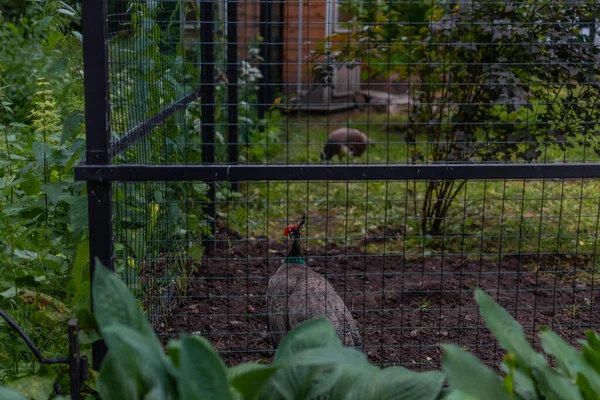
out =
column 404, row 306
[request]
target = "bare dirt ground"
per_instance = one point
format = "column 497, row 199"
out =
column 404, row 307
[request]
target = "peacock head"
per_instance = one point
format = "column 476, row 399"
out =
column 294, row 232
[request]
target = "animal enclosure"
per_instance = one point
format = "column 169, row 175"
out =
column 482, row 169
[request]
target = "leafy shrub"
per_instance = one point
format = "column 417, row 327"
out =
column 519, row 101
column 43, row 212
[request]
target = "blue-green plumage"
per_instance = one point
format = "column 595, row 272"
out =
column 295, row 260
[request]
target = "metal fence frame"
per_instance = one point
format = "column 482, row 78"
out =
column 100, row 173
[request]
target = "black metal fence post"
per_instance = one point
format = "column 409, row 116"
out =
column 232, row 86
column 78, row 366
column 207, row 65
column 97, row 119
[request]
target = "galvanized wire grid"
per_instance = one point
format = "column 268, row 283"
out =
column 429, row 84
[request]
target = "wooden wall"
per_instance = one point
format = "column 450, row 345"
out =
column 248, row 25
column 312, row 31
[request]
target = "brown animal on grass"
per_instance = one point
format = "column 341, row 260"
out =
column 344, row 141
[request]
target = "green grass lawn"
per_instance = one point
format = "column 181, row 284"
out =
column 302, row 138
column 495, row 217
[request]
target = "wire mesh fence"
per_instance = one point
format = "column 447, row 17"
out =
column 434, row 148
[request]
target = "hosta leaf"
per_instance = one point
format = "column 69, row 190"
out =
column 174, row 351
column 348, row 376
column 398, row 383
column 114, row 304
column 141, row 361
column 315, row 333
column 564, row 354
column 249, row 379
column 115, row 382
column 467, row 374
column 570, row 362
column 593, row 340
column 507, row 330
column 290, row 383
column 554, row 386
column 203, row 374
column 156, row 394
column 592, row 357
column 458, row 395
column 524, row 386
column 329, row 356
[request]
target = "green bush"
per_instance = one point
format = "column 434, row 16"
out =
column 480, row 95
column 311, row 363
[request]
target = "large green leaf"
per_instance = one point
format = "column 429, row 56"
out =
column 10, row 394
column 249, row 379
column 312, row 334
column 507, row 330
column 329, row 356
column 174, row 351
column 314, row 373
column 156, row 394
column 524, row 385
column 565, row 355
column 203, row 374
column 593, row 340
column 115, row 382
column 591, row 350
column 348, row 376
column 467, row 374
column 292, row 383
column 571, row 363
column 458, row 395
column 115, row 304
column 592, row 357
column 398, row 383
column 554, row 386
column 311, row 355
column 141, row 361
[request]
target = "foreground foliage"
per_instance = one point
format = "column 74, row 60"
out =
column 311, row 363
